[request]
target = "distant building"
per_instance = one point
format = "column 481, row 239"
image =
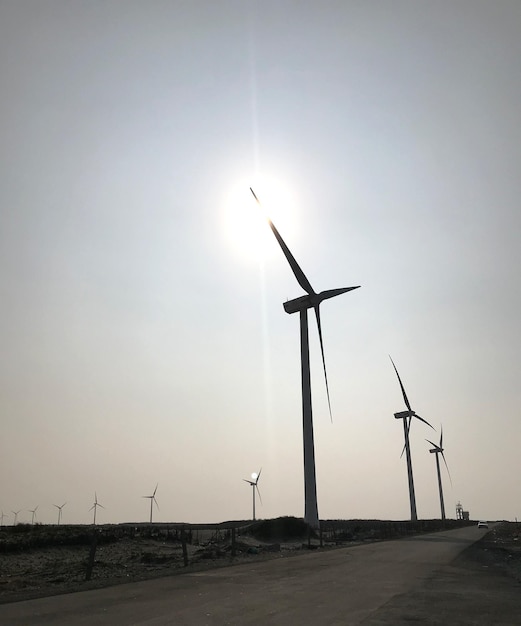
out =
column 459, row 511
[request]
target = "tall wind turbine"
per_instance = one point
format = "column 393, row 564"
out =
column 33, row 511
column 254, row 485
column 59, row 511
column 15, row 516
column 407, row 416
column 95, row 506
column 437, row 450
column 152, row 500
column 311, row 300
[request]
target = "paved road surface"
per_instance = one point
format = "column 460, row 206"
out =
column 393, row 582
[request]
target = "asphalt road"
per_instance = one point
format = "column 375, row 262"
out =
column 393, row 582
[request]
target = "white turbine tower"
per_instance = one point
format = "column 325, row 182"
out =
column 437, row 450
column 95, row 506
column 152, row 500
column 254, row 485
column 33, row 511
column 407, row 416
column 59, row 511
column 311, row 300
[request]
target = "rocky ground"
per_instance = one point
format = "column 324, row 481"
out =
column 40, row 561
column 500, row 550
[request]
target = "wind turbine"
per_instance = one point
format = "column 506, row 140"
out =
column 254, row 484
column 95, row 506
column 437, row 450
column 407, row 416
column 59, row 511
column 2, row 515
column 311, row 300
column 15, row 516
column 33, row 511
column 152, row 500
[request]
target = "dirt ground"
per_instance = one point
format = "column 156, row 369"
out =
column 34, row 571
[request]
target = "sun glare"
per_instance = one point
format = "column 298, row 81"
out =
column 246, row 227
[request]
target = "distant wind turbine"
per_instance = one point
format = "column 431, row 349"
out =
column 407, row 416
column 254, row 484
column 437, row 450
column 33, row 511
column 15, row 516
column 152, row 500
column 95, row 506
column 2, row 515
column 59, row 511
column 311, row 300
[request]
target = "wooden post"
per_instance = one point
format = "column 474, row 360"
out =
column 185, row 551
column 233, row 541
column 92, row 555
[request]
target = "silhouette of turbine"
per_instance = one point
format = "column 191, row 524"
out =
column 254, row 484
column 311, row 300
column 152, row 500
column 2, row 515
column 33, row 511
column 437, row 450
column 59, row 511
column 407, row 416
column 95, row 506
column 15, row 516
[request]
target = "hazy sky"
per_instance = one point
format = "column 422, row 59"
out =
column 142, row 334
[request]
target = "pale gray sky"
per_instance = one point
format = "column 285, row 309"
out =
column 142, row 342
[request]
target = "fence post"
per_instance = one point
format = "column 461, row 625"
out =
column 92, row 555
column 185, row 551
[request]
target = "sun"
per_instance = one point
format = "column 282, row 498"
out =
column 245, row 225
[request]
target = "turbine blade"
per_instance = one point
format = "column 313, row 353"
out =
column 297, row 271
column 441, row 437
column 408, row 428
column 435, row 445
column 258, row 476
column 448, row 472
column 331, row 293
column 248, row 481
column 319, row 326
column 424, row 421
column 258, row 493
column 406, row 400
column 156, row 504
column 155, row 489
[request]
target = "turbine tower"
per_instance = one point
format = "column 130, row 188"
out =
column 407, row 416
column 152, row 500
column 33, row 511
column 59, row 511
column 311, row 300
column 437, row 450
column 95, row 506
column 254, row 485
column 2, row 515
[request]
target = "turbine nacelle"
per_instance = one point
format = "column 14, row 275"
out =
column 312, row 300
column 404, row 415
